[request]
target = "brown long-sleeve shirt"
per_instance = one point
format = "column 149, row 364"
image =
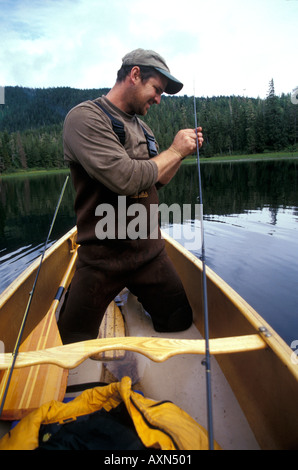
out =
column 102, row 168
column 89, row 140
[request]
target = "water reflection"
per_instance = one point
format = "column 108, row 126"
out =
column 235, row 188
column 27, row 205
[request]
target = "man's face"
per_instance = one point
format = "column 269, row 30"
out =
column 148, row 93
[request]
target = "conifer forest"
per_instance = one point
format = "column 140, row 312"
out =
column 31, row 124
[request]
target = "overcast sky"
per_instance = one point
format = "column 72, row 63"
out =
column 215, row 47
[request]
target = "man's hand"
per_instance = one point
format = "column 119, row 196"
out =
column 185, row 142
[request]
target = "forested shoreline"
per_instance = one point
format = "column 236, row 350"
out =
column 31, row 123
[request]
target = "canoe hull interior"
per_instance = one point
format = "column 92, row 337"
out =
column 265, row 382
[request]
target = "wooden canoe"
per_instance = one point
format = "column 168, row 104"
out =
column 254, row 379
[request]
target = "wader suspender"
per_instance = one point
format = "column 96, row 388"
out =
column 118, row 128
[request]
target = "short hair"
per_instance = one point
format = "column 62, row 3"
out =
column 146, row 72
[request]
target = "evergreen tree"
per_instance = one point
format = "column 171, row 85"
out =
column 21, row 152
column 273, row 126
column 31, row 124
column 251, row 130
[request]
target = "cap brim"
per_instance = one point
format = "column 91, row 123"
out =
column 173, row 86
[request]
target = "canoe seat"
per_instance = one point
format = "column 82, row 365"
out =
column 31, row 387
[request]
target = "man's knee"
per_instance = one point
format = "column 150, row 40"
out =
column 179, row 320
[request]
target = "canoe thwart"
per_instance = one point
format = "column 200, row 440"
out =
column 156, row 349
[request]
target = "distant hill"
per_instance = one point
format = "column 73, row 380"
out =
column 30, row 108
column 31, row 122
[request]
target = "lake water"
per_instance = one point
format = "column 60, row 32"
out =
column 250, row 225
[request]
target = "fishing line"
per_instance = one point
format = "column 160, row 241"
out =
column 21, row 331
column 206, row 361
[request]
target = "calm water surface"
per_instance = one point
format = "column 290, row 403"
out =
column 250, row 223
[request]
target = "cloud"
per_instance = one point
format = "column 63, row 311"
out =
column 231, row 47
column 60, row 42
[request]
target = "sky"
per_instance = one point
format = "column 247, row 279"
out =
column 215, row 47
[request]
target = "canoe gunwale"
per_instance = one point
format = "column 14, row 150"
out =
column 69, row 237
column 260, row 326
column 14, row 299
column 255, row 377
column 263, row 381
column 269, row 335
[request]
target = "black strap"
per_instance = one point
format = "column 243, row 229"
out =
column 150, row 143
column 118, row 128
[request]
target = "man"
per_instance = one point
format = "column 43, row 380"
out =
column 114, row 160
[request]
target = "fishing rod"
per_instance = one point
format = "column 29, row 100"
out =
column 21, row 331
column 206, row 361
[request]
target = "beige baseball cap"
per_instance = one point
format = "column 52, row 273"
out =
column 154, row 60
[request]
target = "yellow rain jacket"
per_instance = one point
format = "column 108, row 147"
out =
column 159, row 425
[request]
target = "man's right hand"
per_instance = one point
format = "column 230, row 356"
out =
column 185, row 142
